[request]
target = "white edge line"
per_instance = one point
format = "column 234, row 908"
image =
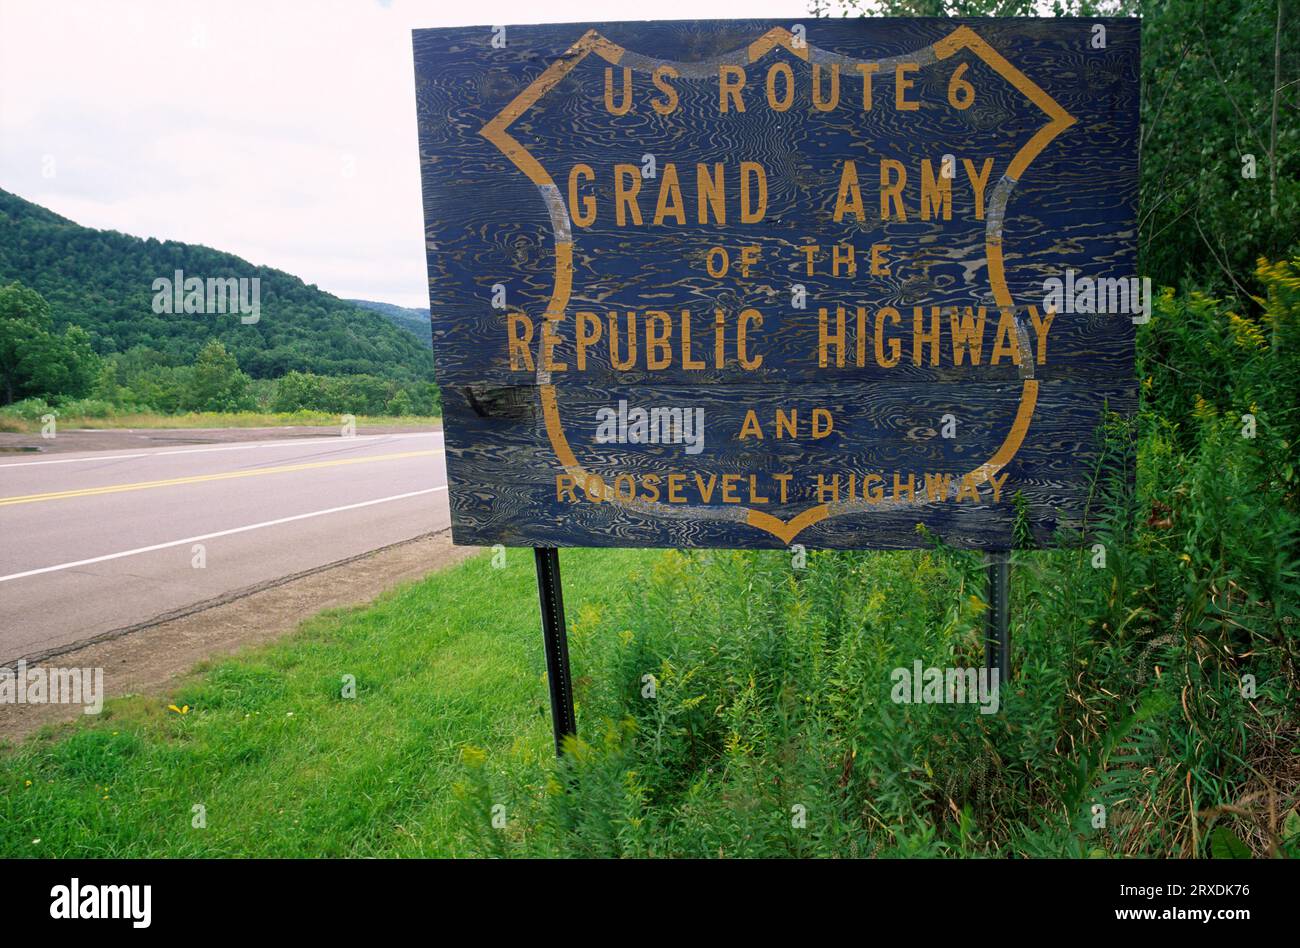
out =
column 281, row 443
column 219, row 533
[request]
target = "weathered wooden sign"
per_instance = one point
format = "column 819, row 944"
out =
column 746, row 283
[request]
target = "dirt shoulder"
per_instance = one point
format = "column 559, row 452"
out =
column 147, row 658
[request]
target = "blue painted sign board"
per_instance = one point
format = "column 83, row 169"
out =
column 839, row 283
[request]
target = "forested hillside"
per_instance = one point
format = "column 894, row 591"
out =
column 102, row 281
column 414, row 321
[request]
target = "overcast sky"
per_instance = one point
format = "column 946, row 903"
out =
column 279, row 130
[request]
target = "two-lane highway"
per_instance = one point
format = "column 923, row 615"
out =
column 94, row 542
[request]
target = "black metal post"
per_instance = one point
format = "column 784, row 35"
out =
column 997, row 634
column 556, row 640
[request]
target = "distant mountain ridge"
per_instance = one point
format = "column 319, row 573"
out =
column 102, row 281
column 412, row 320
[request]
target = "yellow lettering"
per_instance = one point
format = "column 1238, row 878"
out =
column 626, row 105
column 666, row 106
column 731, row 79
column 519, row 329
column 895, row 347
column 978, row 181
column 670, row 193
column 625, row 196
column 850, row 197
column 891, row 189
column 780, row 69
column 587, row 215
column 820, row 104
column 901, row 85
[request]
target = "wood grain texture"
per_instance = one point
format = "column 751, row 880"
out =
column 1072, row 207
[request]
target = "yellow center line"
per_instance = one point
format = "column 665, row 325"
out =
column 200, row 478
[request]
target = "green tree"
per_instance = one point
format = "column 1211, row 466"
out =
column 34, row 359
column 1219, row 146
column 400, row 404
column 300, row 390
column 62, row 364
column 362, row 394
column 426, row 398
column 217, row 383
column 164, row 388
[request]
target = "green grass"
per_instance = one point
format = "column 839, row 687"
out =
column 284, row 765
column 772, row 691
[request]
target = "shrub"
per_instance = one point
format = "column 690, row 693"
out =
column 28, row 409
column 87, row 408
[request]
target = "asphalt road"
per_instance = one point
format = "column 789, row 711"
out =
column 95, row 542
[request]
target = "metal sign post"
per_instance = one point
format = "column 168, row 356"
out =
column 997, row 635
column 556, row 640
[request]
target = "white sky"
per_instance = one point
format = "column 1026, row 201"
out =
column 235, row 123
